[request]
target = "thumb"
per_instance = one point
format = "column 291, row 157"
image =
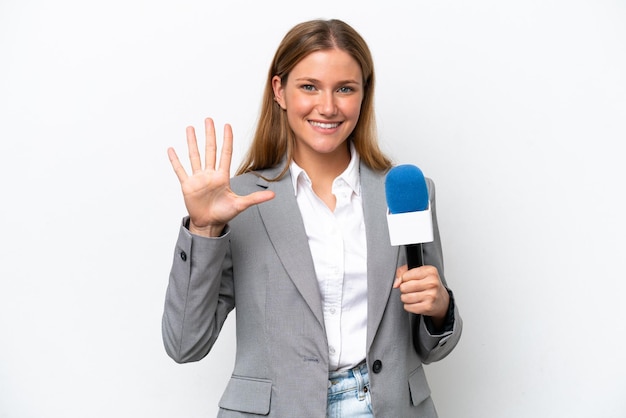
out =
column 399, row 272
column 257, row 197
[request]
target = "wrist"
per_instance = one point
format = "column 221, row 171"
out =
column 445, row 323
column 209, row 231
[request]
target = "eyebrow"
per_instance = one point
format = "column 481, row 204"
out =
column 314, row 80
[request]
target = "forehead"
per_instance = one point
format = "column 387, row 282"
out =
column 327, row 65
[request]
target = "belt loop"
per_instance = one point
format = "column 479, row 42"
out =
column 360, row 384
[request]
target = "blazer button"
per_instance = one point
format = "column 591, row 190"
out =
column 183, row 256
column 377, row 366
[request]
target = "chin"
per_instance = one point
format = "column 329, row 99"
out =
column 330, row 148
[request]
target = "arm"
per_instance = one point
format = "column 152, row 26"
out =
column 434, row 344
column 200, row 292
column 199, row 296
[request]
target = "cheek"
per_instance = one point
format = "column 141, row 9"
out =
column 352, row 109
column 297, row 107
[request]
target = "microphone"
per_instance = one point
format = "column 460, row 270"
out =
column 409, row 218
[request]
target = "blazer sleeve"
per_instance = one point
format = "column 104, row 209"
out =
column 433, row 346
column 199, row 295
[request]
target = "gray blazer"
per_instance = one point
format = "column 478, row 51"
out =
column 263, row 265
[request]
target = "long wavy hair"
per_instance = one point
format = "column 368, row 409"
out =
column 274, row 139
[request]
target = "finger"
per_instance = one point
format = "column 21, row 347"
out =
column 426, row 304
column 194, row 154
column 425, row 284
column 418, row 273
column 399, row 273
column 210, row 145
column 412, row 298
column 176, row 165
column 227, row 149
column 417, row 308
column 254, row 199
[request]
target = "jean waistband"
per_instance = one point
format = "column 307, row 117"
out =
column 351, row 380
column 348, row 373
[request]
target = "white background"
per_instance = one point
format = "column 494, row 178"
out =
column 517, row 110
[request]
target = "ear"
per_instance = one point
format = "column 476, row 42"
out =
column 277, row 86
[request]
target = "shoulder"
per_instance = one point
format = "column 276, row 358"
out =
column 369, row 174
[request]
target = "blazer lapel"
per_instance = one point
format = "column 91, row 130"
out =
column 382, row 257
column 284, row 225
column 285, row 228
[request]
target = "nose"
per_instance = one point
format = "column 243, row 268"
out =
column 327, row 105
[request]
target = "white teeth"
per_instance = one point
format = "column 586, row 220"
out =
column 325, row 125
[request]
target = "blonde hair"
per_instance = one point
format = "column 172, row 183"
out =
column 274, row 139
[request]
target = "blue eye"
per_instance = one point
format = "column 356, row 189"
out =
column 308, row 87
column 346, row 90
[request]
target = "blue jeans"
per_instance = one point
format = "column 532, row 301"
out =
column 349, row 394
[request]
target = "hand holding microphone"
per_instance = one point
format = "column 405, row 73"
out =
column 422, row 292
column 410, row 224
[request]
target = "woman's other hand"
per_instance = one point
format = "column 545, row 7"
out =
column 422, row 292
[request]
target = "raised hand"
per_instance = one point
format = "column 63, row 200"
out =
column 210, row 202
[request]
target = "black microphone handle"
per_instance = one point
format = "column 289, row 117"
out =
column 414, row 256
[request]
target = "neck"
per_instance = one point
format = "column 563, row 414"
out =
column 324, row 168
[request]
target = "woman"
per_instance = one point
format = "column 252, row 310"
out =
column 330, row 322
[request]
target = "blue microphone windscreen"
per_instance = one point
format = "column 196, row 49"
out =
column 406, row 190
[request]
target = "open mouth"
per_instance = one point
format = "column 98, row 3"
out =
column 325, row 125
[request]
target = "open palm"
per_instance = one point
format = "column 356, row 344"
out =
column 210, row 202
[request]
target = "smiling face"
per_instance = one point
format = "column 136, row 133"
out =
column 322, row 98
